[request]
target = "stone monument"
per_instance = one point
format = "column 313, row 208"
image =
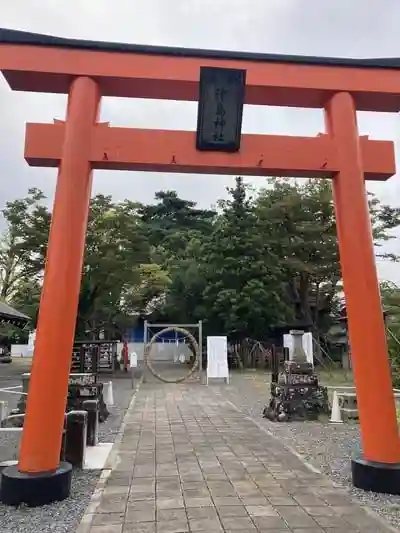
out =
column 296, row 393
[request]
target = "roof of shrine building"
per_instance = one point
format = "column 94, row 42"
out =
column 15, row 37
column 10, row 315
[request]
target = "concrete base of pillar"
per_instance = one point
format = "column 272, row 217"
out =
column 35, row 490
column 376, row 477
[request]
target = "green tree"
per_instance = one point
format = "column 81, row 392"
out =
column 177, row 230
column 245, row 283
column 184, row 300
column 172, row 222
column 24, row 242
column 117, row 261
column 118, row 268
column 390, row 294
column 301, row 219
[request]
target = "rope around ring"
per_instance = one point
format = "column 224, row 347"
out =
column 147, row 354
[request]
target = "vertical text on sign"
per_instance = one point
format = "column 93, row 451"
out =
column 220, row 110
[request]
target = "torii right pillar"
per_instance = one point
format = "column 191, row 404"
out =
column 378, row 468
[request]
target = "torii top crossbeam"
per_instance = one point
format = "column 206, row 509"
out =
column 41, row 63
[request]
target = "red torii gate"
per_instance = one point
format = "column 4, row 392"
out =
column 86, row 71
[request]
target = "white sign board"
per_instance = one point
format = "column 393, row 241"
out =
column 31, row 342
column 307, row 345
column 133, row 360
column 217, row 358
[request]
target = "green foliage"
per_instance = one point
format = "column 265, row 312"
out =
column 263, row 259
column 301, row 218
column 24, row 243
column 301, row 221
column 172, row 222
column 245, row 282
column 177, row 231
column 390, row 294
column 115, row 249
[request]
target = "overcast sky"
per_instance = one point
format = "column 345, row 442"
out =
column 347, row 28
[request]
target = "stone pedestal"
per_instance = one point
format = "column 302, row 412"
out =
column 75, row 450
column 348, row 405
column 92, row 409
column 299, row 355
column 296, row 395
column 81, row 388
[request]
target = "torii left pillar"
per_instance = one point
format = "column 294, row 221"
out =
column 40, row 477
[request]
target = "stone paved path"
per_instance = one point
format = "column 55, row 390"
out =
column 190, row 462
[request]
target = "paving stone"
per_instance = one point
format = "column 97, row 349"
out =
column 202, row 492
column 237, row 523
column 331, row 497
column 205, row 524
column 139, row 516
column 332, row 521
column 118, row 482
column 113, row 499
column 254, row 500
column 253, row 530
column 269, row 523
column 143, row 484
column 195, row 513
column 141, row 496
column 232, row 510
column 320, row 511
column 111, row 506
column 148, row 527
column 171, row 514
column 106, row 529
column 221, row 501
column 220, row 476
column 169, row 503
column 190, row 462
column 118, row 490
column 261, row 510
column 308, row 500
column 194, row 485
column 192, row 477
column 344, row 510
column 108, row 519
column 143, row 471
column 296, row 517
column 168, row 483
column 246, row 486
column 274, row 491
column 317, row 529
column 199, row 502
column 281, row 500
column 174, row 526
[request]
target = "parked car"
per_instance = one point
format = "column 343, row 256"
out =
column 5, row 355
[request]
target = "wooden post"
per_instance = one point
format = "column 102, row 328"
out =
column 43, row 427
column 376, row 406
column 202, row 380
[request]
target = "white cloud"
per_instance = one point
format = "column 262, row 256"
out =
column 359, row 28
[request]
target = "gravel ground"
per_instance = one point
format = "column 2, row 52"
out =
column 64, row 517
column 326, row 446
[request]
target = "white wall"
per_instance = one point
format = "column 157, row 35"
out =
column 160, row 351
column 21, row 350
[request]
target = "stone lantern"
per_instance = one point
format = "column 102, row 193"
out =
column 296, row 394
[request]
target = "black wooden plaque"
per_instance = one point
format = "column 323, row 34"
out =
column 220, row 110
